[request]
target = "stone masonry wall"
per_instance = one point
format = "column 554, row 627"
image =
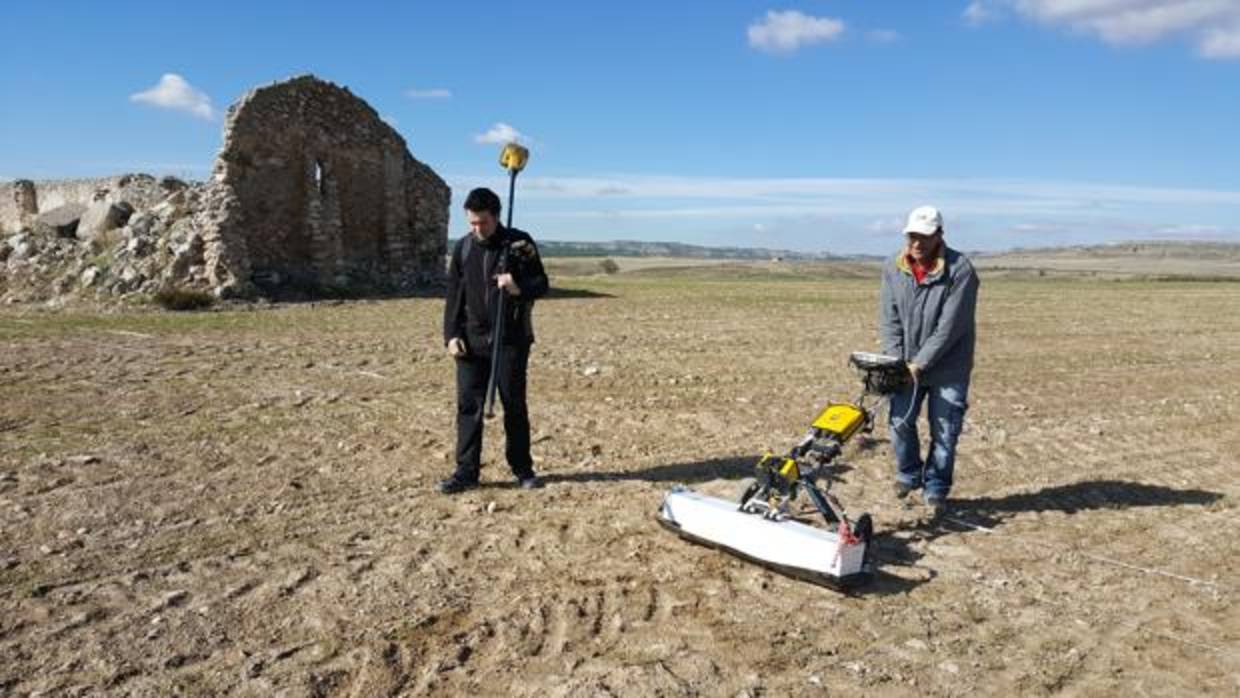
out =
column 327, row 193
column 139, row 190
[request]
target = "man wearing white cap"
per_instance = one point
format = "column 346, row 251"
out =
column 926, row 318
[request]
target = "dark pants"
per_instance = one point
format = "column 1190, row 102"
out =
column 472, row 374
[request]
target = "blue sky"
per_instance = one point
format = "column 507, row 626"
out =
column 803, row 125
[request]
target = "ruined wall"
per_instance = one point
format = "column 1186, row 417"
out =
column 311, row 193
column 318, row 190
column 18, row 197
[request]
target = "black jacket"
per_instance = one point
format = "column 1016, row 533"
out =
column 472, row 293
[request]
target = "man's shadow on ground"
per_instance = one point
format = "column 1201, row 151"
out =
column 901, row 546
column 896, row 545
column 689, row 473
column 555, row 293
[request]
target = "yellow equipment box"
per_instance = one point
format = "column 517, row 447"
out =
column 842, row 420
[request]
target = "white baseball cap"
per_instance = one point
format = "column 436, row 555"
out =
column 924, row 220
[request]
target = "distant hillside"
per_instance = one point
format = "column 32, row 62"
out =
column 1154, row 258
column 1145, row 249
column 634, row 248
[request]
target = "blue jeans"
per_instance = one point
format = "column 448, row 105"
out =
column 948, row 403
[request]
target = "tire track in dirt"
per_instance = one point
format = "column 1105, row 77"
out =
column 545, row 632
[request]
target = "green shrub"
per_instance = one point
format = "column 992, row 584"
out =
column 174, row 298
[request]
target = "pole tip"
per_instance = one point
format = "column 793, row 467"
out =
column 514, row 157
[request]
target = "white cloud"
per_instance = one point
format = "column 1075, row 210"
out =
column 1192, row 232
column 1213, row 25
column 846, row 195
column 977, row 13
column 787, row 31
column 502, row 133
column 1039, row 228
column 885, row 226
column 874, row 207
column 432, row 93
column 173, row 92
column 1220, row 43
column 862, row 215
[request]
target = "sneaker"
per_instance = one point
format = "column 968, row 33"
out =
column 454, row 485
column 902, row 489
column 937, row 505
column 530, row 483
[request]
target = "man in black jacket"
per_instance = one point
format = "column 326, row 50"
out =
column 475, row 280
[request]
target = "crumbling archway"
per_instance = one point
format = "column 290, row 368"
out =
column 327, row 193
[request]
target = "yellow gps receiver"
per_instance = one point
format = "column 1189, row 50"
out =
column 513, row 157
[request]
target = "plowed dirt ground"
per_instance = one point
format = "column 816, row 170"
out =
column 242, row 501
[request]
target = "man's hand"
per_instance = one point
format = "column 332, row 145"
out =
column 456, row 347
column 915, row 371
column 506, row 282
column 523, row 250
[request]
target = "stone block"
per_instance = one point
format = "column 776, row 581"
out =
column 101, row 217
column 62, row 220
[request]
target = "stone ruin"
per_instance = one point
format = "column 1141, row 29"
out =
column 311, row 194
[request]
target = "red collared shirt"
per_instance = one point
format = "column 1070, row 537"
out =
column 919, row 270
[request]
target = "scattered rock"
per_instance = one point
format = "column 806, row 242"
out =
column 22, row 247
column 101, row 217
column 139, row 247
column 61, row 221
column 89, row 277
column 141, row 225
column 173, row 599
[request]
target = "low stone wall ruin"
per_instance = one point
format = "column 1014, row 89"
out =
column 22, row 200
column 311, row 192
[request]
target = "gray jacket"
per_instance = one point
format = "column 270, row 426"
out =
column 931, row 324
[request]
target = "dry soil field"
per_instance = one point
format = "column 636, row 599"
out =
column 241, row 502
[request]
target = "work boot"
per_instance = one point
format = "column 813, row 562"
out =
column 937, row 504
column 530, row 482
column 455, row 485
